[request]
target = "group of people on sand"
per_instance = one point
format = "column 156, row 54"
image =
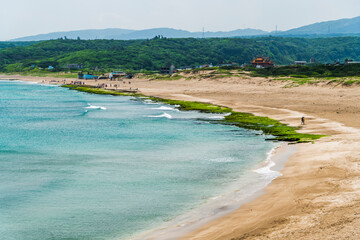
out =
column 78, row 82
column 109, row 85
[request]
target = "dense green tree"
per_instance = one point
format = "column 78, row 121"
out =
column 155, row 53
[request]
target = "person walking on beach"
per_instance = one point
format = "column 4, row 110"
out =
column 302, row 120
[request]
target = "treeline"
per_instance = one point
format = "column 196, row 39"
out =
column 317, row 71
column 14, row 44
column 155, row 53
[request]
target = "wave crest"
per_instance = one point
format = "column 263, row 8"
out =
column 165, row 108
column 95, row 107
column 164, row 115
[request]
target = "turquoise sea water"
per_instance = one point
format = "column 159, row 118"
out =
column 81, row 166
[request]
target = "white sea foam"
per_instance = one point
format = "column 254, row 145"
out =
column 166, row 108
column 164, row 115
column 268, row 164
column 20, row 81
column 95, row 107
column 27, row 82
column 245, row 189
column 220, row 117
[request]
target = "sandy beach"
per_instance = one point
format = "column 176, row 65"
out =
column 318, row 194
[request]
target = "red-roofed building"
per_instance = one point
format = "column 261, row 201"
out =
column 262, row 62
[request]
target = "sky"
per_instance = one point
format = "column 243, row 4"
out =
column 19, row 18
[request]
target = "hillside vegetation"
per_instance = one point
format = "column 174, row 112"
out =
column 317, row 71
column 14, row 44
column 155, row 53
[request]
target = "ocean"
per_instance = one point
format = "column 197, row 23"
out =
column 80, row 166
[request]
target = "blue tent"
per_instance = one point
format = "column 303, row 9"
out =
column 89, row 76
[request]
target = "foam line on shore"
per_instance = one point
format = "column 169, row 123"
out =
column 266, row 169
column 218, row 206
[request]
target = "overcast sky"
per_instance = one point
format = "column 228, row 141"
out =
column 20, row 18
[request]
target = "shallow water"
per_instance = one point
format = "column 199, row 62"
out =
column 81, row 166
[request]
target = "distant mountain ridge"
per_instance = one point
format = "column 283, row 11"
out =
column 349, row 26
column 83, row 34
column 341, row 26
column 126, row 34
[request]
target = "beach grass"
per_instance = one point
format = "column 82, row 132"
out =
column 268, row 126
column 296, row 80
column 166, row 77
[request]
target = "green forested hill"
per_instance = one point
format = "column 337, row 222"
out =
column 155, row 53
column 14, row 44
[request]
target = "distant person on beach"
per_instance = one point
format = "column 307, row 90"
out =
column 302, row 120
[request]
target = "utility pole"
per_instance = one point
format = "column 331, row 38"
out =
column 203, row 33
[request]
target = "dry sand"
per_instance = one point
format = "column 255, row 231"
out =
column 318, row 196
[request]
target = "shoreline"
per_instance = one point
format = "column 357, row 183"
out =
column 225, row 204
column 320, row 186
column 218, row 206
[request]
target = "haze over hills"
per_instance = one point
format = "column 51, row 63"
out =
column 83, row 34
column 342, row 26
column 126, row 34
column 337, row 27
